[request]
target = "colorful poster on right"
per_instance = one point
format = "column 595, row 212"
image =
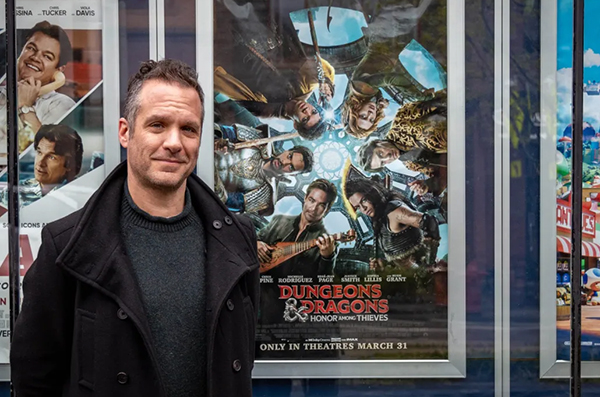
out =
column 590, row 250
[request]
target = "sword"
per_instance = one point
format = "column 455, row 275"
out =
column 264, row 141
column 318, row 61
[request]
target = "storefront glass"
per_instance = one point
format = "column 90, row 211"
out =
column 454, row 114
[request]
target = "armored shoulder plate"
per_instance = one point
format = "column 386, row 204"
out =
column 245, row 133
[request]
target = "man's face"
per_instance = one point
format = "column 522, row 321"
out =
column 305, row 114
column 366, row 115
column 315, row 205
column 162, row 149
column 39, row 58
column 384, row 155
column 49, row 167
column 287, row 162
column 360, row 203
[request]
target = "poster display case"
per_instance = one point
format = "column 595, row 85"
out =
column 556, row 203
column 68, row 112
column 339, row 130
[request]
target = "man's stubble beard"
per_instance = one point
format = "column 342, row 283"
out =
column 157, row 184
column 268, row 170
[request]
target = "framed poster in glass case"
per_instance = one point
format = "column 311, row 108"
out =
column 555, row 187
column 68, row 112
column 339, row 130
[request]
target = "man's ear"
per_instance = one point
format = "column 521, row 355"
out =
column 61, row 68
column 67, row 164
column 123, row 132
column 295, row 125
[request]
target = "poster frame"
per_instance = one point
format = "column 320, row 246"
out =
column 111, row 101
column 455, row 365
column 550, row 366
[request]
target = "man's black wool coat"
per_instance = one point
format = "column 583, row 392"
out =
column 82, row 330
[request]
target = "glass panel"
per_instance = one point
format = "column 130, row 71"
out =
column 63, row 102
column 134, row 43
column 555, row 192
column 4, row 295
column 180, row 31
column 355, row 130
column 540, row 150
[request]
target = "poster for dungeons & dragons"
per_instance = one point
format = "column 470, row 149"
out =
column 331, row 135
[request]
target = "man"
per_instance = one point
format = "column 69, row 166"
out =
column 319, row 260
column 152, row 288
column 268, row 68
column 377, row 153
column 320, row 196
column 308, row 118
column 284, row 99
column 46, row 52
column 246, row 179
column 58, row 157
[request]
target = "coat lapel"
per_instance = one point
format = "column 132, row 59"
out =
column 95, row 254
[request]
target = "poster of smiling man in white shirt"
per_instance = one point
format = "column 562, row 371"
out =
column 40, row 71
column 59, row 64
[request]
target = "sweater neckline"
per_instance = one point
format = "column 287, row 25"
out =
column 133, row 215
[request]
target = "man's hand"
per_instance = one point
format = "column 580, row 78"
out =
column 326, row 245
column 376, row 264
column 222, row 145
column 419, row 187
column 28, row 91
column 325, row 90
column 264, row 251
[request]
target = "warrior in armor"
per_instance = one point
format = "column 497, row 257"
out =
column 246, row 179
column 405, row 236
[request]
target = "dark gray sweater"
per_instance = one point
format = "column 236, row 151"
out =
column 168, row 257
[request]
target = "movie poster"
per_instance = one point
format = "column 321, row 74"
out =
column 590, row 265
column 60, row 120
column 331, row 135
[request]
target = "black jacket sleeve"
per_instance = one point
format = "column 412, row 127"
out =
column 40, row 352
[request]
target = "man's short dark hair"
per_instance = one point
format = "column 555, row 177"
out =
column 170, row 71
column 307, row 157
column 317, row 130
column 67, row 143
column 326, row 186
column 58, row 34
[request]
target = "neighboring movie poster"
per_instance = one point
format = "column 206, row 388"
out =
column 331, row 135
column 60, row 123
column 590, row 252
